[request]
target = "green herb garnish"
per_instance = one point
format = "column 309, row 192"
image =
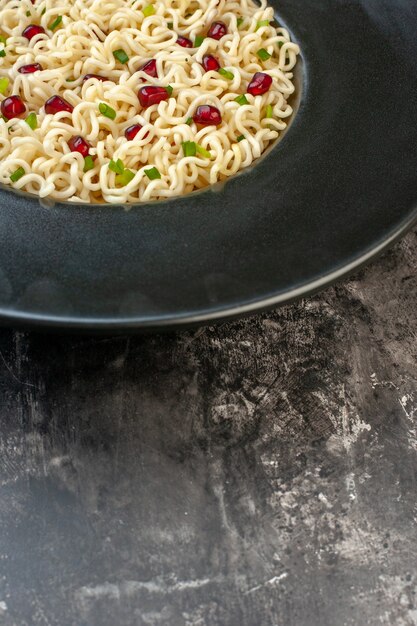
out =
column 198, row 41
column 3, row 39
column 17, row 175
column 121, row 56
column 202, row 151
column 170, row 25
column 262, row 23
column 125, row 178
column 269, row 111
column 88, row 163
column 242, row 100
column 148, row 10
column 263, row 54
column 240, row 138
column 107, row 111
column 2, row 53
column 43, row 11
column 32, row 121
column 117, row 166
column 169, row 89
column 226, row 73
column 28, row 13
column 189, row 121
column 240, row 21
column 189, row 148
column 4, row 83
column 55, row 23
column 153, row 173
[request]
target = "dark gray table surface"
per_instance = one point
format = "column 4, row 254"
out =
column 259, row 473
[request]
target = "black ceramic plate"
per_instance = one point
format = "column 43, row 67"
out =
column 338, row 188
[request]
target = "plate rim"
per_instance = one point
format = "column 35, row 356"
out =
column 182, row 321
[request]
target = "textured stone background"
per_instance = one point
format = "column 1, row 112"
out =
column 260, row 473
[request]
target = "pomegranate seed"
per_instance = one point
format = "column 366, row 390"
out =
column 29, row 69
column 184, row 42
column 259, row 84
column 149, row 68
column 97, row 76
column 152, row 95
column 56, row 104
column 78, row 144
column 32, row 30
column 207, row 115
column 210, row 63
column 132, row 131
column 13, row 106
column 217, row 30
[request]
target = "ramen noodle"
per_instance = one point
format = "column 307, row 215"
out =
column 123, row 101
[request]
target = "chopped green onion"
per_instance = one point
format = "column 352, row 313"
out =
column 3, row 39
column 241, row 138
column 189, row 148
column 125, row 178
column 262, row 23
column 43, row 11
column 240, row 21
column 202, row 151
column 153, row 173
column 107, row 111
column 226, row 73
column 32, row 121
column 242, row 100
column 121, row 56
column 189, row 121
column 148, row 10
column 170, row 25
column 280, row 43
column 55, row 23
column 2, row 53
column 28, row 13
column 269, row 111
column 17, row 175
column 117, row 166
column 263, row 54
column 169, row 89
column 4, row 83
column 198, row 41
column 88, row 163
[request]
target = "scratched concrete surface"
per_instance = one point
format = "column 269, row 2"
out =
column 260, row 473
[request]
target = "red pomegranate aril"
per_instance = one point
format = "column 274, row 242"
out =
column 32, row 30
column 184, row 42
column 150, row 69
column 13, row 106
column 152, row 95
column 29, row 69
column 132, row 131
column 217, row 30
column 78, row 144
column 97, row 76
column 207, row 115
column 56, row 104
column 210, row 63
column 259, row 84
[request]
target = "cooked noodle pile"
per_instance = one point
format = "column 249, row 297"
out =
column 112, row 147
